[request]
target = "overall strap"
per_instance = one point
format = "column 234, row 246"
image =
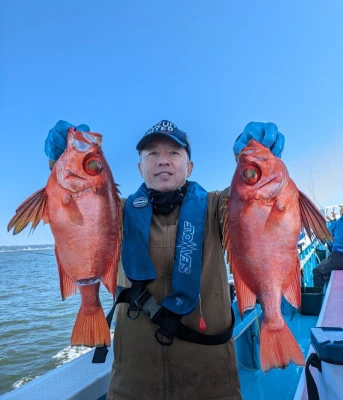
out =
column 169, row 323
column 127, row 295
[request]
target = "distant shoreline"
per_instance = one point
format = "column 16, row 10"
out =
column 26, row 245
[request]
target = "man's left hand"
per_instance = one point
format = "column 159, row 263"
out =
column 266, row 133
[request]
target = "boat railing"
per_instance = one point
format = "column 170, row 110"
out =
column 311, row 252
column 79, row 379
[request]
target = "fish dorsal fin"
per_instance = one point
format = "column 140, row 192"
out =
column 312, row 220
column 67, row 285
column 33, row 209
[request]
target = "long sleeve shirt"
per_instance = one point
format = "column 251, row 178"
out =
column 336, row 228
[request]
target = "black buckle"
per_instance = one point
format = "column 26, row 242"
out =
column 133, row 312
column 147, row 303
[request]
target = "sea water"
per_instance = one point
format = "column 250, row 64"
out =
column 35, row 324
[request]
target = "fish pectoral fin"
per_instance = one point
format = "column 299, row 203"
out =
column 72, row 210
column 293, row 293
column 312, row 220
column 246, row 297
column 67, row 285
column 33, row 209
column 277, row 211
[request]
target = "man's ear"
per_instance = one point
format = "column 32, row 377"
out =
column 190, row 168
column 140, row 168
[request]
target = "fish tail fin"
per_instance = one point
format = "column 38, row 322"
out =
column 279, row 348
column 91, row 328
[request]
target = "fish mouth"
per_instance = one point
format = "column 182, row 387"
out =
column 71, row 174
column 88, row 281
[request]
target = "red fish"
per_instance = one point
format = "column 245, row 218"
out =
column 81, row 203
column 264, row 215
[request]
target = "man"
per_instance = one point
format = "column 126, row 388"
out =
column 334, row 261
column 173, row 335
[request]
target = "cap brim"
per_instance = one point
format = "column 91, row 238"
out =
column 152, row 136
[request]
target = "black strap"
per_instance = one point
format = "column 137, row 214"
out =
column 127, row 295
column 312, row 390
column 100, row 353
column 170, row 326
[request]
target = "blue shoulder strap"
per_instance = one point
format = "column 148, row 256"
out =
column 186, row 274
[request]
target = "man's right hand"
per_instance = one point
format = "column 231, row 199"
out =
column 56, row 141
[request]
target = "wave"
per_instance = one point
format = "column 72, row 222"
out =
column 70, row 353
column 22, row 382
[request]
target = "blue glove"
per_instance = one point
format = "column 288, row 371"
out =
column 56, row 141
column 265, row 133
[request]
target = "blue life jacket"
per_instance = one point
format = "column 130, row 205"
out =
column 137, row 263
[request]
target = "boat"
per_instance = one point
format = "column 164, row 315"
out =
column 80, row 379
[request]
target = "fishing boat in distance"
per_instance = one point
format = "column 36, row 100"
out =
column 80, row 379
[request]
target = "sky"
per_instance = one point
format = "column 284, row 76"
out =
column 210, row 67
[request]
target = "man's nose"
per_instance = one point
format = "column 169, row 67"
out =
column 163, row 160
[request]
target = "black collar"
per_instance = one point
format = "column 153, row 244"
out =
column 165, row 202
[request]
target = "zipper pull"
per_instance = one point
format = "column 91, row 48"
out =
column 202, row 323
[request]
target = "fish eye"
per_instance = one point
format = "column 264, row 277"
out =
column 92, row 165
column 251, row 174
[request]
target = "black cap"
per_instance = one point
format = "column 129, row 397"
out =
column 167, row 129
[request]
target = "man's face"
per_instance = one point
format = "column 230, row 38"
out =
column 164, row 165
